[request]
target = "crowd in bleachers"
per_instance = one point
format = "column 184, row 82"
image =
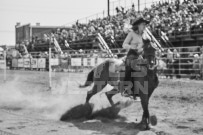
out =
column 177, row 17
column 173, row 17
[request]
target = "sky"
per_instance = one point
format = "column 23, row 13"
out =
column 52, row 13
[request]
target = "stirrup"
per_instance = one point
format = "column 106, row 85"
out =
column 125, row 93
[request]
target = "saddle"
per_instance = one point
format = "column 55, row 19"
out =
column 146, row 58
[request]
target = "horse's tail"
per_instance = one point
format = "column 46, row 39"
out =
column 90, row 79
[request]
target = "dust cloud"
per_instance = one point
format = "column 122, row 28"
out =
column 18, row 95
column 31, row 96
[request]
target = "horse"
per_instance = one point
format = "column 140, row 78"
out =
column 111, row 72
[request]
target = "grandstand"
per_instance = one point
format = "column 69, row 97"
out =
column 173, row 24
column 181, row 22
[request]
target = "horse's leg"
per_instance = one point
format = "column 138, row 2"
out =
column 152, row 84
column 145, row 117
column 89, row 80
column 91, row 93
column 110, row 94
column 95, row 90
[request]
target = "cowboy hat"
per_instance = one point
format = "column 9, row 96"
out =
column 139, row 20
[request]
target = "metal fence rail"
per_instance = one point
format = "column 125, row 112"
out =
column 184, row 66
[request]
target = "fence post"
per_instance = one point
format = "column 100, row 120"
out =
column 5, row 66
column 50, row 70
column 179, row 61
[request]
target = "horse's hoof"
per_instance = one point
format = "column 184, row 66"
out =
column 143, row 126
column 153, row 120
column 89, row 107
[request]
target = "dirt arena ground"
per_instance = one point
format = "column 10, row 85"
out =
column 28, row 107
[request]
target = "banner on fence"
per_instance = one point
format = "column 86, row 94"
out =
column 2, row 64
column 20, row 63
column 89, row 61
column 14, row 63
column 76, row 62
column 41, row 63
column 33, row 63
column 26, row 63
column 54, row 62
column 100, row 60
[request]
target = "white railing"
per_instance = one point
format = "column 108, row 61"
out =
column 104, row 45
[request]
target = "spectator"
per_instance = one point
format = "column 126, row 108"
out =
column 201, row 62
column 169, row 62
column 196, row 66
column 176, row 63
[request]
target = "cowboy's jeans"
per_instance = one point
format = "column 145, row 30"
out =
column 135, row 78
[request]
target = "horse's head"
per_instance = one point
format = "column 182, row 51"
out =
column 150, row 54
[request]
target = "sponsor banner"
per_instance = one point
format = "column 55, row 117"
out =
column 41, row 63
column 54, row 62
column 100, row 60
column 14, row 63
column 34, row 63
column 2, row 64
column 76, row 62
column 20, row 63
column 89, row 61
column 26, row 63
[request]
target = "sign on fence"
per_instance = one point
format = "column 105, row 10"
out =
column 26, row 63
column 76, row 62
column 33, row 63
column 100, row 60
column 29, row 63
column 54, row 62
column 64, row 63
column 20, row 63
column 2, row 64
column 41, row 63
column 89, row 61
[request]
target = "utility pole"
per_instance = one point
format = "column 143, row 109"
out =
column 138, row 5
column 108, row 7
column 145, row 4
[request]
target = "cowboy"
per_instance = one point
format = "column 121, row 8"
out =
column 134, row 45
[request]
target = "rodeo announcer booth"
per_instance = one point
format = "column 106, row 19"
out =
column 134, row 45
